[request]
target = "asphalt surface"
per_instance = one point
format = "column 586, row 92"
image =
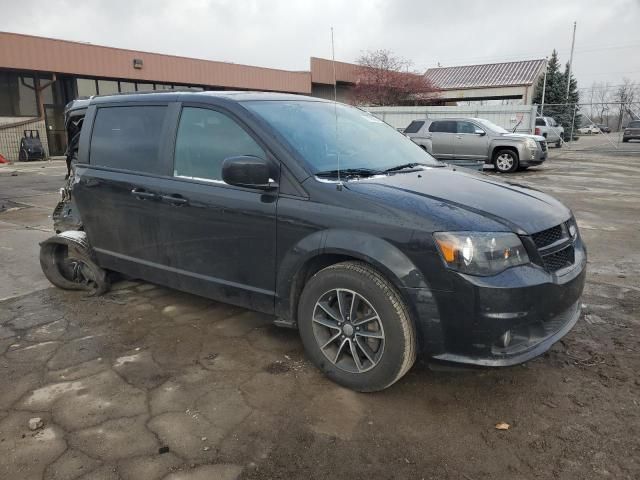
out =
column 150, row 383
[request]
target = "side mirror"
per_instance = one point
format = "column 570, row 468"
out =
column 249, row 172
column 480, row 132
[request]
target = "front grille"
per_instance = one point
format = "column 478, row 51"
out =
column 555, row 247
column 549, row 236
column 560, row 259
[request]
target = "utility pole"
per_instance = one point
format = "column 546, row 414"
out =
column 573, row 42
column 544, row 85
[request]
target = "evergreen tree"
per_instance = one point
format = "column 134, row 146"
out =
column 566, row 117
column 555, row 95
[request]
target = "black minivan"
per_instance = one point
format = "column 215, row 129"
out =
column 325, row 217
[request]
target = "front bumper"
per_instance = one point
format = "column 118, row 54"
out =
column 537, row 308
column 533, row 158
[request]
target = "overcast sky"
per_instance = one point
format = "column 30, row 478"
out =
column 285, row 33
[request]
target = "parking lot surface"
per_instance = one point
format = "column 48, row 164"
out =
column 151, row 383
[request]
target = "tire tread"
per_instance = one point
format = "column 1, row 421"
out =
column 389, row 290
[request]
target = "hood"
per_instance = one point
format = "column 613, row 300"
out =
column 449, row 190
column 537, row 138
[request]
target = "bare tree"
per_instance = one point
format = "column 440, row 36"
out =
column 626, row 95
column 385, row 79
column 602, row 97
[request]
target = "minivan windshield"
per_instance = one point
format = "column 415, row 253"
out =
column 360, row 141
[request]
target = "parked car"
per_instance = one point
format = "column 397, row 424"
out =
column 370, row 247
column 631, row 131
column 477, row 139
column 589, row 130
column 603, row 128
column 550, row 129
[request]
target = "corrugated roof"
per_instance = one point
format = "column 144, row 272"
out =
column 506, row 74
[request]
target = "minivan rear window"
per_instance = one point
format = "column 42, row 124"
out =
column 128, row 138
column 414, row 127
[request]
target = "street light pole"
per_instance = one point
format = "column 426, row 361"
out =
column 544, row 85
column 573, row 42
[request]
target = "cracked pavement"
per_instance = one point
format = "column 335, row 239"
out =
column 224, row 394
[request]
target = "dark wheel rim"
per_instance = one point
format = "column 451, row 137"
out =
column 348, row 330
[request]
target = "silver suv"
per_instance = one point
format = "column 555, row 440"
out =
column 478, row 139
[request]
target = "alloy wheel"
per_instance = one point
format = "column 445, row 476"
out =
column 348, row 330
column 504, row 162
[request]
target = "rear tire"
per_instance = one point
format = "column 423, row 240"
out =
column 356, row 328
column 559, row 144
column 506, row 160
column 70, row 267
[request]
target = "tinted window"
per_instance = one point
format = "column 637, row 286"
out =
column 205, row 139
column 443, row 126
column 414, row 126
column 634, row 124
column 540, row 122
column 466, row 127
column 128, row 138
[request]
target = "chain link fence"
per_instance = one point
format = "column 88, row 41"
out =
column 594, row 126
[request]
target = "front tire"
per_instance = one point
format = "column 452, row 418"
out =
column 506, row 161
column 356, row 328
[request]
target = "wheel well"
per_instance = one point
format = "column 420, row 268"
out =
column 308, row 270
column 497, row 149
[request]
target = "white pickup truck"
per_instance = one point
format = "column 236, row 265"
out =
column 550, row 129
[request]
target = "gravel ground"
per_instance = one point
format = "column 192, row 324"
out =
column 223, row 394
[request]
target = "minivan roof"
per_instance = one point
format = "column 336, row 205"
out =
column 237, row 96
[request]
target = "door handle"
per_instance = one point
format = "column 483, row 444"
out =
column 174, row 199
column 142, row 194
column 458, row 136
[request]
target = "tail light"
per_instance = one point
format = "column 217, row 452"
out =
column 537, row 131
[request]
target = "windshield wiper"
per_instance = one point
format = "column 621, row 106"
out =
column 349, row 172
column 404, row 166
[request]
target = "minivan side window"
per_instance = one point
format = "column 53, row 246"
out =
column 540, row 122
column 205, row 138
column 443, row 126
column 128, row 138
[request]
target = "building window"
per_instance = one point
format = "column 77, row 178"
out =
column 127, row 87
column 144, row 87
column 17, row 95
column 107, row 87
column 160, row 86
column 87, row 87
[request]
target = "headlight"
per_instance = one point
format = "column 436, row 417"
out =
column 531, row 144
column 480, row 253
